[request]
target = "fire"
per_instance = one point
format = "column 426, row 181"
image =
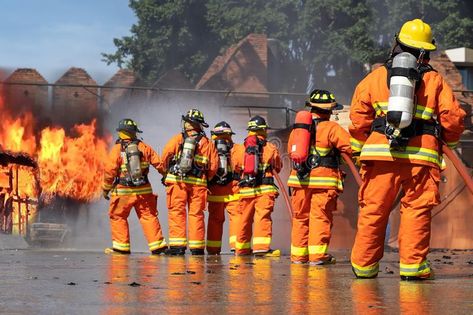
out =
column 70, row 166
column 70, row 162
column 16, row 135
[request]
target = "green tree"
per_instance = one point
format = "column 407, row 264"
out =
column 324, row 43
column 170, row 34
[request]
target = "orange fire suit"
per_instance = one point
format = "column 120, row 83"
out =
column 314, row 198
column 223, row 197
column 124, row 197
column 416, row 170
column 188, row 191
column 257, row 203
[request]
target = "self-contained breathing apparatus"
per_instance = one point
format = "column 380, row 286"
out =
column 224, row 174
column 405, row 73
column 305, row 134
column 182, row 164
column 132, row 157
column 252, row 175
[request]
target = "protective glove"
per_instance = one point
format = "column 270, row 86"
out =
column 105, row 194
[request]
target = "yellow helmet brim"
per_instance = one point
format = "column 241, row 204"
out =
column 326, row 106
column 416, row 44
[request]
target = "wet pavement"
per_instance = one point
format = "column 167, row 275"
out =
column 72, row 282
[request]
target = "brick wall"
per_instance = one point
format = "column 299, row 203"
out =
column 28, row 97
column 75, row 104
column 452, row 76
column 123, row 77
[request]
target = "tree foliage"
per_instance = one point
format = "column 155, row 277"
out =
column 324, row 42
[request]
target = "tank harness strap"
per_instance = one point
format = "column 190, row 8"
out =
column 259, row 182
column 124, row 181
column 418, row 127
column 413, row 74
column 303, row 126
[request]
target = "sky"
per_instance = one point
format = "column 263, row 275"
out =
column 54, row 35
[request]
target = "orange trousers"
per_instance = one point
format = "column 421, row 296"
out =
column 146, row 209
column 258, row 210
column 180, row 196
column 215, row 225
column 381, row 183
column 311, row 223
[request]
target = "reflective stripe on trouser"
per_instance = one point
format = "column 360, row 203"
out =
column 179, row 197
column 215, row 225
column 415, row 269
column 381, row 183
column 258, row 210
column 178, row 241
column 145, row 207
column 365, row 271
column 311, row 223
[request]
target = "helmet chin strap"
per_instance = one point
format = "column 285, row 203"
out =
column 420, row 60
column 262, row 133
column 124, row 135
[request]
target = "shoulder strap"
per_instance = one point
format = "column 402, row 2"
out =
column 313, row 134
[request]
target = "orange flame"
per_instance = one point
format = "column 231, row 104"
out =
column 69, row 166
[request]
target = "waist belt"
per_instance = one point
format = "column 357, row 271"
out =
column 222, row 181
column 256, row 182
column 314, row 161
column 124, row 181
column 330, row 161
column 174, row 170
column 416, row 128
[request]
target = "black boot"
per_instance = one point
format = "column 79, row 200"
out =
column 159, row 251
column 198, row 252
column 175, row 251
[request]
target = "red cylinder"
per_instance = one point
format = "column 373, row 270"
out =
column 300, row 135
column 251, row 156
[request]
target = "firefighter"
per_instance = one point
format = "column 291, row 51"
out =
column 316, row 179
column 126, row 180
column 189, row 162
column 400, row 113
column 223, row 190
column 258, row 191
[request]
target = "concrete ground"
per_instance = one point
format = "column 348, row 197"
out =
column 73, row 282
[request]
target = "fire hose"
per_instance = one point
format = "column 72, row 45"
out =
column 287, row 200
column 461, row 168
column 284, row 194
column 352, row 167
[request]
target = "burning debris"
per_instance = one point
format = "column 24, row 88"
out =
column 44, row 169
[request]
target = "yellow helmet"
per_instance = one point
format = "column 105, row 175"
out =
column 416, row 34
column 324, row 100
